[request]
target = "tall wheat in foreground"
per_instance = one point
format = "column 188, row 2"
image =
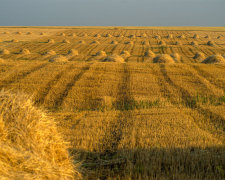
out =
column 30, row 146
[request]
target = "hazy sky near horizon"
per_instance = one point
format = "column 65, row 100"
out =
column 112, row 12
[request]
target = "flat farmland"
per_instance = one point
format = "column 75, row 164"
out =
column 133, row 103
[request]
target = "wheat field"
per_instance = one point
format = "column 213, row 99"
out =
column 133, row 103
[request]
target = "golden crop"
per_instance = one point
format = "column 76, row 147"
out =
column 130, row 119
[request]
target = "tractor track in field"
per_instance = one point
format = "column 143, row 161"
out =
column 179, row 50
column 188, row 55
column 68, row 87
column 204, row 74
column 111, row 140
column 45, row 90
column 17, row 77
column 217, row 120
column 211, row 87
column 109, row 154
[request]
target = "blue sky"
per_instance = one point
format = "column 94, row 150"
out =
column 112, row 12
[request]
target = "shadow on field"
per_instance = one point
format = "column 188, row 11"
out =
column 155, row 163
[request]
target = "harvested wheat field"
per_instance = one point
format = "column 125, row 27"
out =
column 98, row 103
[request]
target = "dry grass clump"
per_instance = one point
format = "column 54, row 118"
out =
column 114, row 58
column 207, row 37
column 176, row 57
column 129, row 42
column 84, row 35
column 157, row 37
column 162, row 43
column 145, row 43
column 169, row 36
column 125, row 54
column 66, row 41
column 73, row 35
column 211, row 43
column 73, row 52
column 163, row 58
column 144, row 35
column 219, row 37
column 97, row 35
column 182, row 36
column 50, row 52
column 0, row 40
column 214, row 59
column 58, row 58
column 108, row 35
column 95, row 42
column 18, row 33
column 2, row 61
column 194, row 43
column 178, row 43
column 196, row 36
column 29, row 33
column 42, row 33
column 31, row 147
column 51, row 41
column 101, row 53
column 114, row 42
column 82, row 42
column 4, row 51
column 6, row 33
column 119, row 35
column 149, row 53
column 24, row 51
column 14, row 41
column 62, row 34
column 132, row 36
column 199, row 56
